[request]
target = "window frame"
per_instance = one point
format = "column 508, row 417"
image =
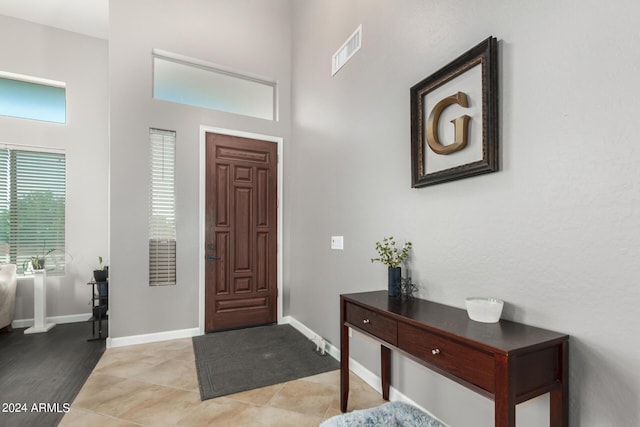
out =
column 162, row 199
column 233, row 105
column 35, row 105
column 57, row 253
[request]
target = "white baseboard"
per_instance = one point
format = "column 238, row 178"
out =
column 376, row 383
column 59, row 320
column 192, row 332
column 366, row 375
column 302, row 328
column 153, row 337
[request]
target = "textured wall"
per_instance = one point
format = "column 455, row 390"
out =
column 555, row 232
column 80, row 62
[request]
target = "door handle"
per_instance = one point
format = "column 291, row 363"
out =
column 212, row 257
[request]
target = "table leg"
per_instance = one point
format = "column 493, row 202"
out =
column 385, row 370
column 99, row 320
column 344, row 360
column 505, row 399
column 559, row 398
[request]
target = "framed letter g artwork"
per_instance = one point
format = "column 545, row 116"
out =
column 454, row 119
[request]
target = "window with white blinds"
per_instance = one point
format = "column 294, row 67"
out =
column 32, row 208
column 162, row 209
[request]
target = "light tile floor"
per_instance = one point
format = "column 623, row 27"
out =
column 156, row 385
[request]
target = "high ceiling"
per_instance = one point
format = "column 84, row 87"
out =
column 89, row 17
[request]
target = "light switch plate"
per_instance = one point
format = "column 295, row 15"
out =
column 337, row 242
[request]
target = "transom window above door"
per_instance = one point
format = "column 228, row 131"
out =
column 192, row 82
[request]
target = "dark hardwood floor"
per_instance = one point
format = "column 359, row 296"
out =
column 41, row 374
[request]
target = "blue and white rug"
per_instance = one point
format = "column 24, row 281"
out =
column 392, row 414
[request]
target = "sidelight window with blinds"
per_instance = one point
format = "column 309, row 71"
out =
column 32, row 208
column 162, row 208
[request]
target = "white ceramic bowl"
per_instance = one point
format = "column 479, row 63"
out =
column 486, row 310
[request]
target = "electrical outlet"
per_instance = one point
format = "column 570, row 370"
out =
column 337, row 242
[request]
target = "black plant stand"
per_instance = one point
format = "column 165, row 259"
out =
column 99, row 307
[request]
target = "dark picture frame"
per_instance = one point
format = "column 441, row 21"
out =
column 474, row 73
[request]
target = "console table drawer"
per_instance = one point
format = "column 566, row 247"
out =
column 369, row 321
column 468, row 363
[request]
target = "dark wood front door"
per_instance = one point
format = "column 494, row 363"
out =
column 241, row 232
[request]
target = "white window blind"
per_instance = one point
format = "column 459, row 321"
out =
column 32, row 208
column 162, row 208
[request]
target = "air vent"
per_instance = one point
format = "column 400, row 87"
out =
column 347, row 50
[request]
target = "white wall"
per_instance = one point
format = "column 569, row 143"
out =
column 81, row 62
column 249, row 36
column 555, row 232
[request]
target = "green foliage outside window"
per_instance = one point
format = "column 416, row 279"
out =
column 32, row 209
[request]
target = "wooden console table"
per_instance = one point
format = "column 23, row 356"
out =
column 506, row 361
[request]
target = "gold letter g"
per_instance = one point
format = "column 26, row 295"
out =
column 460, row 125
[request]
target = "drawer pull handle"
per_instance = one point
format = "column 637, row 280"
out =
column 435, row 351
column 366, row 321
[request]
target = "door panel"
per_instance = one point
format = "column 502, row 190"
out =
column 241, row 232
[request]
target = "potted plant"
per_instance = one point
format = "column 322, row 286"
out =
column 101, row 277
column 101, row 274
column 36, row 262
column 392, row 257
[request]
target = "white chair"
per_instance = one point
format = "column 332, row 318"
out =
column 7, row 295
